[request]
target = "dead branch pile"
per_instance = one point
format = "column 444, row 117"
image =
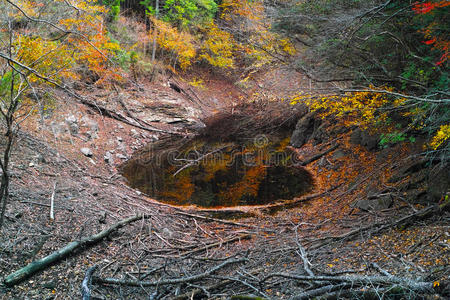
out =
column 168, row 264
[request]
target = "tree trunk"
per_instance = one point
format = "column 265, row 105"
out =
column 155, row 32
column 4, row 187
column 3, row 196
column 58, row 255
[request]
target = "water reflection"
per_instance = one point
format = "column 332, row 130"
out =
column 214, row 174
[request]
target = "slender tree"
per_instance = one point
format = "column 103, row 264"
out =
column 40, row 42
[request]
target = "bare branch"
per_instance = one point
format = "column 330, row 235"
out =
column 169, row 281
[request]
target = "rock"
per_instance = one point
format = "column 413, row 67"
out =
column 319, row 135
column 71, row 119
column 87, row 152
column 91, row 135
column 120, row 126
column 72, row 123
column 363, row 138
column 380, row 203
column 108, row 157
column 58, row 128
column 303, row 130
column 134, row 133
column 338, row 154
column 120, row 139
column 438, row 185
column 41, row 158
column 152, row 137
column 121, row 156
column 121, row 147
column 74, row 129
column 89, row 123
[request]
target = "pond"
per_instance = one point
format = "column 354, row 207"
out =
column 254, row 170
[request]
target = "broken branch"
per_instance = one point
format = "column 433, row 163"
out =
column 38, row 265
column 167, row 281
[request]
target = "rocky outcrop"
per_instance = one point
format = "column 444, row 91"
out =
column 305, row 129
column 363, row 138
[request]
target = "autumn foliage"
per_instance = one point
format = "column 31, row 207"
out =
column 431, row 32
column 75, row 36
column 178, row 43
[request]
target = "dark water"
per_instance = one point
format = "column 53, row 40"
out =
column 252, row 171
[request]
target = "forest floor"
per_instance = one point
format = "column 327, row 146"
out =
column 186, row 252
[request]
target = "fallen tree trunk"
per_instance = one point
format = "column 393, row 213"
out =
column 211, row 219
column 321, row 291
column 417, row 286
column 170, row 281
column 38, row 265
column 231, row 240
column 319, row 155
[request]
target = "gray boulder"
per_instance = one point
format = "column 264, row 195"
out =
column 87, row 152
column 304, row 130
column 108, row 157
column 376, row 204
column 121, row 156
column 72, row 123
column 363, row 138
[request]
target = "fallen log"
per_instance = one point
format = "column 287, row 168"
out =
column 209, row 289
column 319, row 155
column 198, row 291
column 170, row 281
column 321, row 291
column 41, row 264
column 354, row 280
column 211, row 219
column 227, row 241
